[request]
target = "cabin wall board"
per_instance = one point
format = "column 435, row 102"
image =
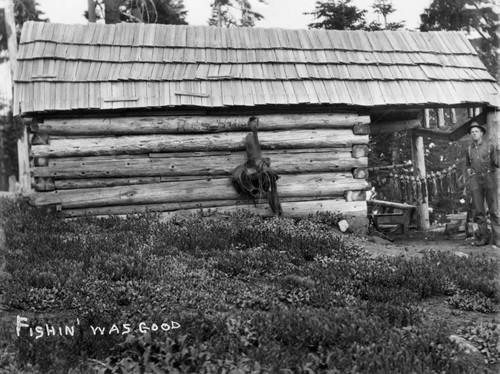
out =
column 171, row 164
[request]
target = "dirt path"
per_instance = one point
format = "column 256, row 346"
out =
column 416, row 242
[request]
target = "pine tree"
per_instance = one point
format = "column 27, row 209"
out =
column 226, row 13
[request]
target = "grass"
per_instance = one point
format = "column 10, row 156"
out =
column 245, row 295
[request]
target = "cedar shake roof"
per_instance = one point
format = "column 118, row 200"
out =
column 96, row 66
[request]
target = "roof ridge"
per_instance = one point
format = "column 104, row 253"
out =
column 185, row 36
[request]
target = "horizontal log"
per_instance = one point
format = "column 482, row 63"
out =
column 303, row 185
column 194, row 124
column 389, row 204
column 433, row 134
column 339, row 138
column 385, row 127
column 283, row 163
column 390, row 114
column 291, row 209
column 268, row 153
column 60, row 160
column 189, row 154
column 387, row 167
column 168, row 207
column 68, row 184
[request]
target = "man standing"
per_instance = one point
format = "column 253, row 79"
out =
column 481, row 161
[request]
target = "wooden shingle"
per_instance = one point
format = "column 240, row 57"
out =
column 171, row 65
column 359, row 93
column 375, row 92
column 300, row 92
column 289, row 92
column 343, row 92
column 292, row 38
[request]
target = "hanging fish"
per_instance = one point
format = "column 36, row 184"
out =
column 423, row 183
column 439, row 183
column 428, row 179
column 419, row 190
column 397, row 188
column 449, row 181
column 390, row 185
column 414, row 197
column 453, row 179
column 402, row 182
column 434, row 184
column 444, row 179
column 408, row 189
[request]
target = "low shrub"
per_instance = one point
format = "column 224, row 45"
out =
column 486, row 337
column 471, row 301
column 251, row 295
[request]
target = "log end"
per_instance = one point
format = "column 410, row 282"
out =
column 360, row 150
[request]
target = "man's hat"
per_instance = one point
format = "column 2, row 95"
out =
column 475, row 124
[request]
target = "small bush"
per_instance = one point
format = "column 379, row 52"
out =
column 252, row 295
column 486, row 337
column 471, row 301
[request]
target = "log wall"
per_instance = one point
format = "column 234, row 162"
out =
column 181, row 163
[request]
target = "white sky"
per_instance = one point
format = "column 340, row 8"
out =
column 277, row 13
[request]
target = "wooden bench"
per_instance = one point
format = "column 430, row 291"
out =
column 403, row 218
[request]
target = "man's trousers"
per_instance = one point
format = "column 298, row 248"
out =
column 483, row 187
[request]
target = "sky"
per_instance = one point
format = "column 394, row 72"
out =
column 277, row 13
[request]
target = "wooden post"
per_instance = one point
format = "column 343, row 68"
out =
column 23, row 161
column 453, row 116
column 493, row 128
column 427, row 118
column 22, row 143
column 418, row 154
column 440, row 117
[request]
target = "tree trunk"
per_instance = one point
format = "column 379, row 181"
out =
column 91, row 11
column 112, row 11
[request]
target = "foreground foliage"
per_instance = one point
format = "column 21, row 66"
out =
column 234, row 294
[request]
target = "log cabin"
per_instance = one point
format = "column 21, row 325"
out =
column 126, row 118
